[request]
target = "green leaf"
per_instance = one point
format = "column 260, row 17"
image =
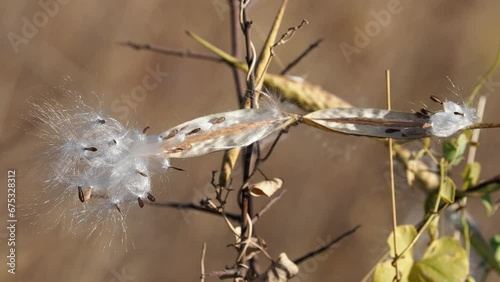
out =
column 486, row 200
column 447, row 190
column 434, row 228
column 385, row 271
column 454, row 149
column 470, row 279
column 495, row 245
column 445, row 260
column 471, row 175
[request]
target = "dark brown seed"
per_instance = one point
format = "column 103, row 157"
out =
column 80, row 194
column 142, row 173
column 436, row 99
column 151, row 197
column 179, row 149
column 176, row 168
column 458, row 114
column 141, row 203
column 171, row 134
column 92, row 149
column 421, row 115
column 196, row 130
column 174, row 150
column 145, row 129
column 118, row 208
column 391, row 130
column 101, row 121
column 425, row 112
column 217, row 120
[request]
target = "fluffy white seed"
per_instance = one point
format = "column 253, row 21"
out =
column 452, row 119
column 89, row 151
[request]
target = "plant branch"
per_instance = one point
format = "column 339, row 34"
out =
column 171, row 52
column 325, row 247
column 301, row 56
column 191, row 206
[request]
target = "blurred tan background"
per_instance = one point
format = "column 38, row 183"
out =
column 334, row 182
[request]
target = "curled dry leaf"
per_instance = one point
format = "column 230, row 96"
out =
column 266, row 187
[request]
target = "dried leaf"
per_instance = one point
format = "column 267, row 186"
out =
column 282, row 270
column 266, row 187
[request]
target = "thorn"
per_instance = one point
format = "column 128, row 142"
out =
column 118, row 208
column 92, row 149
column 142, row 173
column 436, row 99
column 141, row 203
column 196, row 130
column 171, row 134
column 145, row 129
column 176, row 168
column 80, row 194
column 151, row 197
column 217, row 120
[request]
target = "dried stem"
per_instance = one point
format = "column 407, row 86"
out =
column 325, row 247
column 191, row 206
column 301, row 56
column 171, row 52
column 267, row 207
column 393, row 190
column 202, row 261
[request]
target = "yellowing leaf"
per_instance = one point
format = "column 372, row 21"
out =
column 444, row 261
column 471, row 175
column 447, row 190
column 385, row 271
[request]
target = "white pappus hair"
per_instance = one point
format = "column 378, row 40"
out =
column 452, row 119
column 95, row 164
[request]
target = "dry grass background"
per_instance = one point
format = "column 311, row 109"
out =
column 334, row 182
